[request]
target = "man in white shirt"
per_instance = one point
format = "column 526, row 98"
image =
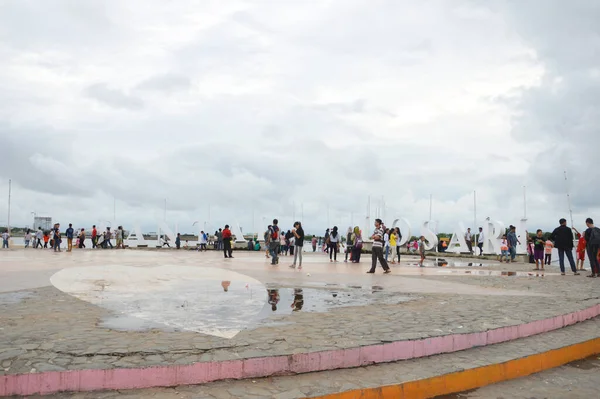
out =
column 5, row 237
column 480, row 240
column 39, row 236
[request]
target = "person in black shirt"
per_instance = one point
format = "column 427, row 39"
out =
column 563, row 241
column 538, row 250
column 592, row 237
column 298, row 232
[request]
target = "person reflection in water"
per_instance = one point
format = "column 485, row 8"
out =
column 273, row 299
column 298, row 300
column 225, row 285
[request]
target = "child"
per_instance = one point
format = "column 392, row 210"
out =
column 46, row 239
column 504, row 249
column 538, row 250
column 422, row 250
column 581, row 244
column 548, row 251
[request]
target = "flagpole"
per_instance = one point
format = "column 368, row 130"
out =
column 9, row 194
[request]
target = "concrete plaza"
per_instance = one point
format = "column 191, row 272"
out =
column 122, row 319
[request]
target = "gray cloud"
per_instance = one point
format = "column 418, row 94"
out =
column 112, row 97
column 165, row 83
column 271, row 107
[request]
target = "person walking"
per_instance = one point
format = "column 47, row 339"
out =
column 5, row 238
column 120, row 236
column 82, row 238
column 226, row 239
column 503, row 249
column 512, row 241
column 469, row 240
column 39, row 237
column 27, row 238
column 178, row 241
column 563, row 242
column 165, row 240
column 377, row 238
column 480, row 241
column 357, row 245
column 298, row 232
column 70, row 233
column 592, row 238
column 334, row 244
column 348, row 244
column 46, row 239
column 326, row 241
column 314, row 243
column 108, row 236
column 203, row 241
column 274, row 242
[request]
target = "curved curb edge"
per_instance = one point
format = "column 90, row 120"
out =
column 203, row 372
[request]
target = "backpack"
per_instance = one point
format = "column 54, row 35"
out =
column 274, row 233
column 594, row 240
column 358, row 242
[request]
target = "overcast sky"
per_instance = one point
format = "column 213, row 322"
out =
column 252, row 106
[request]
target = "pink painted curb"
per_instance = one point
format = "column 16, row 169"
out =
column 199, row 373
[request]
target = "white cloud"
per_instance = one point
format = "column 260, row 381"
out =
column 251, row 107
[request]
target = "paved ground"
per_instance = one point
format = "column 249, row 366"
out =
column 573, row 381
column 577, row 380
column 102, row 323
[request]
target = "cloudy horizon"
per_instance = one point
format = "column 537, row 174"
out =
column 298, row 108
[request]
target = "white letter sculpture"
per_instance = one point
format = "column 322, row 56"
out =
column 458, row 244
column 431, row 240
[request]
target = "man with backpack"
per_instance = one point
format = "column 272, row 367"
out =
column 274, row 242
column 592, row 237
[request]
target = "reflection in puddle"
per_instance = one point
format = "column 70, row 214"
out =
column 494, row 273
column 283, row 301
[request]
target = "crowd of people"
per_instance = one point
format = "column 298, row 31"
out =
column 386, row 242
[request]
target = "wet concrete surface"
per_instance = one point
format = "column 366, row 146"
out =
column 89, row 325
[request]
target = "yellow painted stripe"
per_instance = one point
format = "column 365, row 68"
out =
column 477, row 377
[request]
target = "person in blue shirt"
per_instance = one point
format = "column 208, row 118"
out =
column 70, row 232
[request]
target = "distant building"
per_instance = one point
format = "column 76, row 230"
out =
column 44, row 222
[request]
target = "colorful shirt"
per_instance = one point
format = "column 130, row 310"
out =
column 549, row 246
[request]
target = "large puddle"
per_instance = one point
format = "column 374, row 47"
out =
column 277, row 301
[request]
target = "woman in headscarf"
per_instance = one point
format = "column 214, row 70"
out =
column 356, row 245
column 349, row 244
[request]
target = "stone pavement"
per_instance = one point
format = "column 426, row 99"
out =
column 560, row 383
column 576, row 380
column 342, row 307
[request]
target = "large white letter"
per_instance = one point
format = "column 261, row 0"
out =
column 458, row 243
column 405, row 232
column 493, row 232
column 137, row 235
column 431, row 240
column 522, row 237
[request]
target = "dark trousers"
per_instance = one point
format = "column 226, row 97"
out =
column 480, row 246
column 470, row 246
column 227, row 248
column 592, row 251
column 95, row 242
column 561, row 259
column 274, row 251
column 38, row 243
column 398, row 253
column 348, row 251
column 548, row 259
column 333, row 250
column 378, row 255
column 356, row 254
